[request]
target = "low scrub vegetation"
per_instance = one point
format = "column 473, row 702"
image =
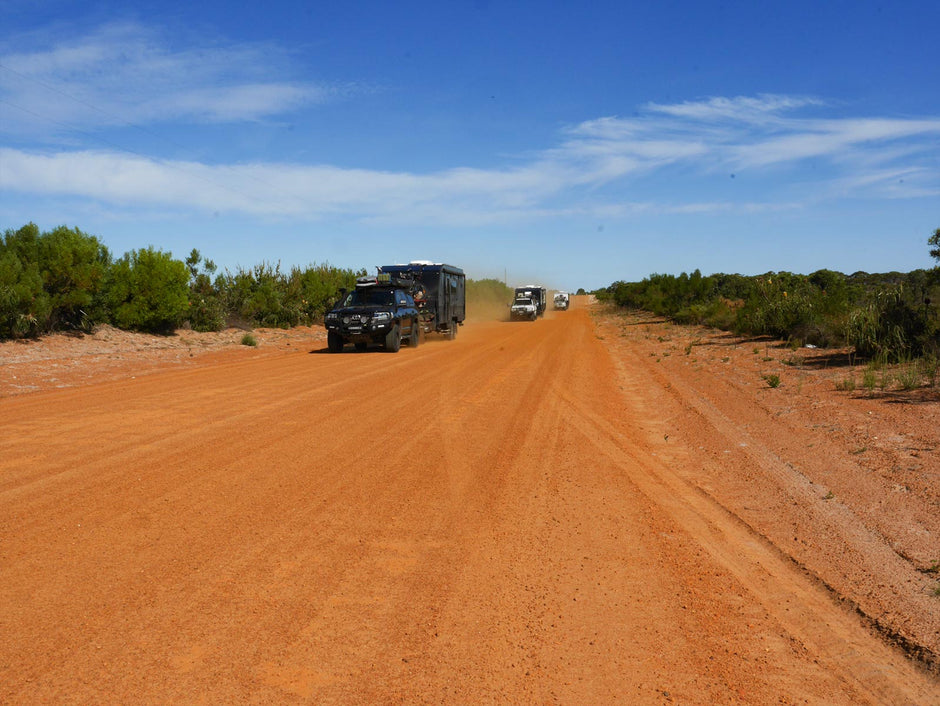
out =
column 888, row 317
column 488, row 298
column 65, row 279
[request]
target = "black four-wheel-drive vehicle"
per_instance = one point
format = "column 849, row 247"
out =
column 379, row 310
column 440, row 292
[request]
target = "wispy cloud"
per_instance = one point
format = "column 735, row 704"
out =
column 124, row 73
column 761, row 110
column 741, row 133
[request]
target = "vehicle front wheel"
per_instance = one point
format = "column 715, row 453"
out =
column 393, row 339
column 415, row 334
column 334, row 341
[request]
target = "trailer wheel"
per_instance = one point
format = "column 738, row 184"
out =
column 334, row 342
column 415, row 334
column 393, row 339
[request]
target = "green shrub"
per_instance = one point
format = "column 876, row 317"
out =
column 206, row 308
column 249, row 340
column 885, row 327
column 909, row 376
column 846, row 384
column 319, row 287
column 264, row 297
column 74, row 266
column 24, row 304
column 892, row 315
column 147, row 290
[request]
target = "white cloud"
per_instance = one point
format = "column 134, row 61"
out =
column 761, row 110
column 595, row 168
column 125, row 74
column 758, row 135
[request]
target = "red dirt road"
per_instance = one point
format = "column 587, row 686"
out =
column 528, row 514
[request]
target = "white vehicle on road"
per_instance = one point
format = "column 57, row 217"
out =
column 523, row 308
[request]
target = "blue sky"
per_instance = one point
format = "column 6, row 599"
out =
column 573, row 144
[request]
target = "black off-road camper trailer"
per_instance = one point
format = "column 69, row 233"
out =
column 440, row 292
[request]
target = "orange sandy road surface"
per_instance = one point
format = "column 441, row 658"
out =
column 483, row 520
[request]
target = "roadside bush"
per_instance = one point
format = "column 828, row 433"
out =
column 147, row 290
column 886, row 328
column 890, row 316
column 24, row 304
column 73, row 266
column 488, row 298
column 49, row 280
column 320, row 287
column 263, row 296
column 206, row 308
column 67, row 279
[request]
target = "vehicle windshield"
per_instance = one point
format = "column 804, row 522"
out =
column 522, row 302
column 370, row 297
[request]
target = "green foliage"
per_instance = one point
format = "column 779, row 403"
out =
column 909, row 376
column 67, row 279
column 74, row 266
column 935, row 241
column 891, row 315
column 846, row 384
column 772, row 380
column 265, row 296
column 260, row 295
column 249, row 340
column 886, row 326
column 206, row 306
column 24, row 305
column 320, row 286
column 488, row 298
column 49, row 280
column 147, row 290
column 488, row 290
column 482, row 292
column 870, row 380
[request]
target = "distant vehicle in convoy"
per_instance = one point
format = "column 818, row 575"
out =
column 561, row 300
column 537, row 294
column 439, row 291
column 380, row 310
column 523, row 308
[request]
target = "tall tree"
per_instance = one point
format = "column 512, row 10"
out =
column 935, row 241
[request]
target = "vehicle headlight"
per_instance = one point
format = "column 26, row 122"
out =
column 381, row 316
column 332, row 316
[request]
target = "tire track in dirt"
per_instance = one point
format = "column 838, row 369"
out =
column 822, row 626
column 471, row 521
column 766, row 484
